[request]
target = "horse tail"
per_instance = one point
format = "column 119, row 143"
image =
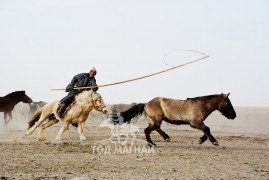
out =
column 126, row 116
column 35, row 117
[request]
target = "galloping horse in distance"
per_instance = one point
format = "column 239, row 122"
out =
column 77, row 115
column 34, row 106
column 8, row 102
column 192, row 111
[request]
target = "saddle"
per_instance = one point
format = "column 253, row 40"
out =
column 68, row 109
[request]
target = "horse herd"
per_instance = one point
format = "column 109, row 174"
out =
column 192, row 112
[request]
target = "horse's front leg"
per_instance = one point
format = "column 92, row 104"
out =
column 81, row 131
column 62, row 130
column 10, row 117
column 203, row 139
column 206, row 130
column 5, row 117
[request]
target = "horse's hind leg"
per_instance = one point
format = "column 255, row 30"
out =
column 163, row 134
column 160, row 131
column 37, row 124
column 51, row 122
column 148, row 130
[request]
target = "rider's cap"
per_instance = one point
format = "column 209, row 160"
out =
column 94, row 69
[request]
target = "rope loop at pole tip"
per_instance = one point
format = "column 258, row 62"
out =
column 150, row 75
column 174, row 50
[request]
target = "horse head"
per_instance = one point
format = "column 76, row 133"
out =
column 23, row 97
column 94, row 98
column 226, row 107
column 98, row 102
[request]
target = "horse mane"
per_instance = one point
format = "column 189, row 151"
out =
column 85, row 96
column 205, row 97
column 15, row 94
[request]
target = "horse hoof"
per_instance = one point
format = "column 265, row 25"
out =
column 58, row 138
column 28, row 133
column 215, row 143
column 201, row 141
column 57, row 117
column 152, row 145
column 83, row 138
column 41, row 139
column 168, row 140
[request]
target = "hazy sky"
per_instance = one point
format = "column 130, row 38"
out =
column 43, row 44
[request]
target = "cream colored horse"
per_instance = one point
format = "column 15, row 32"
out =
column 78, row 114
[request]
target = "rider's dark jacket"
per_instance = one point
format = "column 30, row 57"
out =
column 80, row 80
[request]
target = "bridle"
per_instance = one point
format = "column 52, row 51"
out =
column 26, row 99
column 94, row 102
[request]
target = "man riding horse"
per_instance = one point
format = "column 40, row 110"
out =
column 80, row 80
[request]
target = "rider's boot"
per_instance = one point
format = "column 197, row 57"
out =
column 61, row 111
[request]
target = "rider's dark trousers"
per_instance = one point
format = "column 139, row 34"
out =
column 67, row 100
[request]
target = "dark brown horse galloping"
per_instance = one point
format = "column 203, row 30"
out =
column 192, row 111
column 8, row 103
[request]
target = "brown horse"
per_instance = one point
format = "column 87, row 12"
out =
column 8, row 102
column 192, row 111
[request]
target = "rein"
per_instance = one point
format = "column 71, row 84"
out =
column 143, row 77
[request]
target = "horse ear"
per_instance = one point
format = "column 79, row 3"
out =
column 227, row 95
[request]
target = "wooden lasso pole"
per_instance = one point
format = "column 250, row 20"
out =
column 143, row 77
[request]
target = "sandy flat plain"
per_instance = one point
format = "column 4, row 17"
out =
column 243, row 152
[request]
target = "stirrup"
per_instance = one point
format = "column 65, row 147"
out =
column 60, row 115
column 60, row 111
column 57, row 116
